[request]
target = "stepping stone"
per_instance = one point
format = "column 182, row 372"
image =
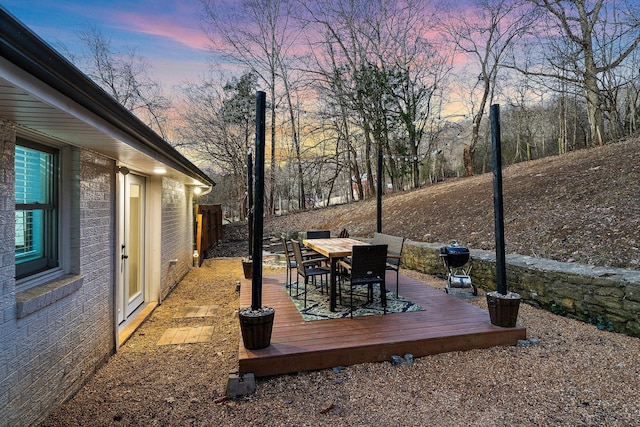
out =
column 196, row 311
column 186, row 335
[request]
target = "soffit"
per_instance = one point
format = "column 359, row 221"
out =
column 79, row 127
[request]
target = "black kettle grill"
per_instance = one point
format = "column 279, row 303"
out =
column 455, row 257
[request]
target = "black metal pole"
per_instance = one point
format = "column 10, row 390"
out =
column 258, row 220
column 250, row 200
column 379, row 194
column 501, row 272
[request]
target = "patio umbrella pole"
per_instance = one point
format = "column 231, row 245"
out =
column 501, row 273
column 258, row 218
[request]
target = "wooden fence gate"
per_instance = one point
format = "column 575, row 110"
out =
column 208, row 226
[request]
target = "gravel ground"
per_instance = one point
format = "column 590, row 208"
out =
column 576, row 376
column 576, row 207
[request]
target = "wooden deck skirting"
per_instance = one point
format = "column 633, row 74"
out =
column 447, row 324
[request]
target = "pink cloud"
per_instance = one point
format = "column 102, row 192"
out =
column 188, row 34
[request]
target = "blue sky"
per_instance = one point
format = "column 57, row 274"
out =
column 166, row 32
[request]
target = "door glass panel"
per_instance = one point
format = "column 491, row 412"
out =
column 131, row 280
column 134, row 240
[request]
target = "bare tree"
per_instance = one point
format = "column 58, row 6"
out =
column 259, row 35
column 126, row 76
column 219, row 124
column 485, row 34
column 376, row 70
column 338, row 57
column 583, row 40
column 629, row 98
column 422, row 69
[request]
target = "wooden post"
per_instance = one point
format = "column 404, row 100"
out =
column 501, row 273
column 258, row 218
column 379, row 193
column 199, row 238
column 250, row 201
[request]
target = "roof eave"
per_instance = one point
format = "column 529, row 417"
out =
column 30, row 53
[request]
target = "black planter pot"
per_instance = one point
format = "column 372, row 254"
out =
column 503, row 309
column 256, row 327
column 247, row 267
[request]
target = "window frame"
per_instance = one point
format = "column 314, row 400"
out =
column 38, row 276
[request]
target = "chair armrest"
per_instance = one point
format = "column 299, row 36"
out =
column 310, row 261
column 342, row 263
column 311, row 253
column 394, row 256
column 319, row 259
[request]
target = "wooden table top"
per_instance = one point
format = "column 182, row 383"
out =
column 335, row 247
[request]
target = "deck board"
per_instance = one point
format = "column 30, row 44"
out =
column 447, row 324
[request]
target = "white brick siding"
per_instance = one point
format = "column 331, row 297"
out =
column 53, row 337
column 55, row 342
column 177, row 233
column 8, row 333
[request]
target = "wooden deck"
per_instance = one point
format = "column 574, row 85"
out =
column 447, row 324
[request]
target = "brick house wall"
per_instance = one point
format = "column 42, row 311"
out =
column 55, row 336
column 60, row 324
column 8, row 352
column 177, row 234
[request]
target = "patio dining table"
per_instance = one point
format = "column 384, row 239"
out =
column 333, row 248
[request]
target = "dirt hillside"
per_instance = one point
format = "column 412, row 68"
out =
column 580, row 207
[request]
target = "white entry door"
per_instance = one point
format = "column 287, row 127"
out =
column 132, row 238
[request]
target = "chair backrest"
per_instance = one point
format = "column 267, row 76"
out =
column 285, row 249
column 368, row 262
column 297, row 254
column 394, row 243
column 343, row 234
column 318, row 234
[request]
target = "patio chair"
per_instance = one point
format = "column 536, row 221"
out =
column 367, row 267
column 307, row 268
column 394, row 252
column 343, row 234
column 291, row 262
column 318, row 234
column 315, row 234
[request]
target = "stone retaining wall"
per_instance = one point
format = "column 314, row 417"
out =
column 607, row 297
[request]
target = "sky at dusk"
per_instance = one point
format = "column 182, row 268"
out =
column 166, row 33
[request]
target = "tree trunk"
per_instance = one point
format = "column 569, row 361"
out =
column 468, row 160
column 356, row 173
column 594, row 112
column 272, row 172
